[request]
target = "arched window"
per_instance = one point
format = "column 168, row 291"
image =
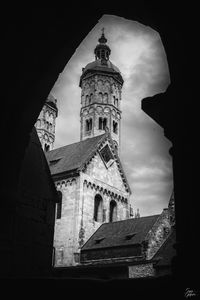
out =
column 98, row 208
column 88, row 125
column 90, row 99
column 105, row 98
column 104, row 123
column 113, row 211
column 86, row 100
column 116, row 102
column 115, row 127
column 59, row 206
column 100, row 123
column 46, row 147
column 100, row 97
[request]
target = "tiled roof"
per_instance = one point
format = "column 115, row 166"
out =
column 166, row 252
column 71, row 157
column 121, row 233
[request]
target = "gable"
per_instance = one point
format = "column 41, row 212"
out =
column 105, row 165
column 76, row 157
column 106, row 173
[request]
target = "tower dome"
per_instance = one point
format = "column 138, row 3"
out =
column 101, row 63
column 101, row 83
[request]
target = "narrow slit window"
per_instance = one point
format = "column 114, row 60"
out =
column 59, row 206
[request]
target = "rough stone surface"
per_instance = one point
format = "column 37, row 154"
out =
column 158, row 234
column 141, row 270
column 77, row 221
column 100, row 98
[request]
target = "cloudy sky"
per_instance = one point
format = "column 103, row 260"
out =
column 138, row 52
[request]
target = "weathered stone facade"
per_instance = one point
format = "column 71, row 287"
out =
column 158, row 234
column 77, row 222
column 141, row 270
column 101, row 99
column 101, row 83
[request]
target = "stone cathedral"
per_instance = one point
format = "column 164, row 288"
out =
column 88, row 174
column 94, row 223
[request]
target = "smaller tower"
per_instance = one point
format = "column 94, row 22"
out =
column 46, row 122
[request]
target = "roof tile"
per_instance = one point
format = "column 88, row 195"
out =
column 115, row 233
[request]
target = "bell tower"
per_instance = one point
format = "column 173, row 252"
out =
column 101, row 83
column 46, row 122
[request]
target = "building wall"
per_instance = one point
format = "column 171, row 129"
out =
column 77, row 222
column 141, row 270
column 158, row 233
column 66, row 231
column 97, row 179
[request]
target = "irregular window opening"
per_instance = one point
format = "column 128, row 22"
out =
column 98, row 208
column 107, row 155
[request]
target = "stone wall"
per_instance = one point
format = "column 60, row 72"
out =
column 77, row 222
column 141, row 270
column 158, row 234
column 97, row 179
column 100, row 97
column 66, row 228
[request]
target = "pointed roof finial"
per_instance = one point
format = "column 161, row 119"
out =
column 102, row 39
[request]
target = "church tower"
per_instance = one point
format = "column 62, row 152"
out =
column 46, row 122
column 101, row 84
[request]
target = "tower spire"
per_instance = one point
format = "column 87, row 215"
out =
column 102, row 51
column 101, row 84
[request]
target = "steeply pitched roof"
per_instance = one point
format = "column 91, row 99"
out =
column 166, row 252
column 121, row 233
column 75, row 156
column 71, row 157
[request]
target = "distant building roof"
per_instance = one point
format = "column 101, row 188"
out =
column 121, row 233
column 166, row 252
column 71, row 157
